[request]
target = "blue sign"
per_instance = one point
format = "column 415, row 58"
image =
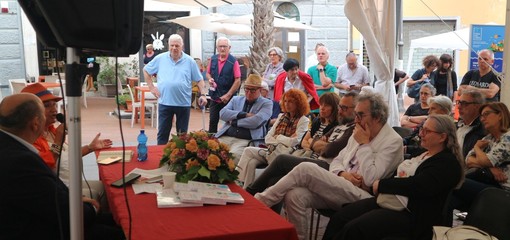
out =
column 487, row 37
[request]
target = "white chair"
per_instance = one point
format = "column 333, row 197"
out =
column 84, row 92
column 150, row 98
column 16, row 85
column 137, row 106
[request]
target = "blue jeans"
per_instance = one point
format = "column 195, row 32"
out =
column 166, row 116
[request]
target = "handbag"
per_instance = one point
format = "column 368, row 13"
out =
column 414, row 91
column 389, row 201
column 274, row 151
column 483, row 175
column 461, row 232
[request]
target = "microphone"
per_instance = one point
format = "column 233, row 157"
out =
column 61, row 118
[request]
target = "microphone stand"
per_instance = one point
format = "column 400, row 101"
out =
column 73, row 91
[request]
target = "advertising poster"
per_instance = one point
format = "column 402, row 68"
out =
column 487, row 37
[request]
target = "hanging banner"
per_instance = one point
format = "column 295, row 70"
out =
column 487, row 37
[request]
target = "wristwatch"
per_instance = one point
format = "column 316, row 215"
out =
column 321, row 70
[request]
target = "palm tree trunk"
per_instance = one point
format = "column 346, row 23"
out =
column 262, row 34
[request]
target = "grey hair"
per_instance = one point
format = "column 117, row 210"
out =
column 175, row 37
column 378, row 108
column 476, row 95
column 431, row 87
column 445, row 124
column 325, row 48
column 223, row 39
column 491, row 53
column 351, row 54
column 442, row 101
column 278, row 52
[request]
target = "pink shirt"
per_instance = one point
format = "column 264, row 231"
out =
column 221, row 63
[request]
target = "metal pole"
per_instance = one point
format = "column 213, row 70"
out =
column 505, row 87
column 73, row 118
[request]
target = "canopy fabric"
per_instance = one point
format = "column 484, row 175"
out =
column 279, row 22
column 455, row 40
column 376, row 21
column 203, row 3
column 209, row 23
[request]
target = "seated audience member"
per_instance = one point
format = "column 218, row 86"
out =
column 336, row 140
column 417, row 113
column 35, row 203
column 423, row 75
column 52, row 139
column 245, row 117
column 437, row 105
column 373, row 152
column 423, row 192
column 288, row 130
column 469, row 128
column 351, row 76
column 273, row 69
column 292, row 77
column 488, row 161
column 264, row 92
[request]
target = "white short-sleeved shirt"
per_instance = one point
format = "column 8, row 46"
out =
column 352, row 77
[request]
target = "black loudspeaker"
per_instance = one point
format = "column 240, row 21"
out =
column 94, row 27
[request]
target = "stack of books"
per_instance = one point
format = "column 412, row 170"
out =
column 194, row 194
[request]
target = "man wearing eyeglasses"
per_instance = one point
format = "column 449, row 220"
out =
column 245, row 117
column 469, row 128
column 373, row 152
column 352, row 76
column 224, row 75
column 483, row 79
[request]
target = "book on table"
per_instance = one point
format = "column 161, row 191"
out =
column 108, row 157
column 167, row 198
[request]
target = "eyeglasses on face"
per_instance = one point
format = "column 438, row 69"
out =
column 273, row 54
column 425, row 131
column 252, row 90
column 464, row 103
column 222, row 46
column 487, row 113
column 344, row 107
column 359, row 115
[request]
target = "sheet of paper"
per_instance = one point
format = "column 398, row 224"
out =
column 152, row 175
column 146, row 188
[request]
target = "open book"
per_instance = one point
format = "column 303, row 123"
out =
column 107, row 157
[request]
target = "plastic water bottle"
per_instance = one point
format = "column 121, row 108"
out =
column 142, row 146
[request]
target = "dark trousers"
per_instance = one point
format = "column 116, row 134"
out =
column 364, row 219
column 214, row 115
column 278, row 168
column 166, row 116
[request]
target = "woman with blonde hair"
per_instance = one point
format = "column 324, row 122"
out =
column 288, row 130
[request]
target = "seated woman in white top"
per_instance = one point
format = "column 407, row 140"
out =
column 288, row 130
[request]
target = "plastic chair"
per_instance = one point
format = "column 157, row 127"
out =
column 137, row 106
column 490, row 212
column 16, row 85
column 403, row 131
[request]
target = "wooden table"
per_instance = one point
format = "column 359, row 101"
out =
column 249, row 221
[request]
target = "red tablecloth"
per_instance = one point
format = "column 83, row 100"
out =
column 251, row 220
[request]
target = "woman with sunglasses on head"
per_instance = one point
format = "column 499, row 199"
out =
column 422, row 191
column 488, row 161
column 288, row 130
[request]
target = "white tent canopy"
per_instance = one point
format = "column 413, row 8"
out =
column 454, row 40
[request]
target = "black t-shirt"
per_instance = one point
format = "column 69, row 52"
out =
column 398, row 75
column 416, row 110
column 473, row 78
column 441, row 80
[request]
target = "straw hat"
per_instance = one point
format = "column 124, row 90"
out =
column 40, row 91
column 254, row 80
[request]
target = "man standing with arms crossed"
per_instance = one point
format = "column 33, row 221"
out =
column 224, row 75
column 175, row 71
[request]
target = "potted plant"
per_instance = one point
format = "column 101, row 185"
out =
column 106, row 77
column 124, row 101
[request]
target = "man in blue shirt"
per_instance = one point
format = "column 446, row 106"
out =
column 175, row 72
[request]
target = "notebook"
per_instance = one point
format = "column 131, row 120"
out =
column 108, row 157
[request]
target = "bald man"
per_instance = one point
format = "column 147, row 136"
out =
column 34, row 200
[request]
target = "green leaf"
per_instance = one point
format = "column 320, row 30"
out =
column 204, row 172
